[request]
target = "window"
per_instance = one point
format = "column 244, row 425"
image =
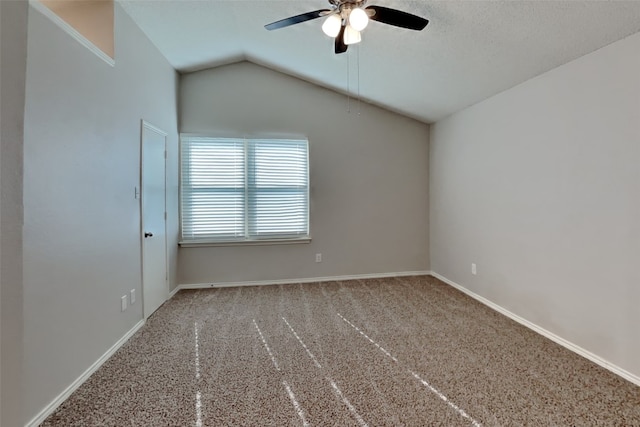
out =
column 235, row 190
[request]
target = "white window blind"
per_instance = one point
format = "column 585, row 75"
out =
column 237, row 189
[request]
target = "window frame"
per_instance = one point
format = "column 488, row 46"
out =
column 247, row 239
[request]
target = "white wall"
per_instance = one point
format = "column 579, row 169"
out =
column 368, row 173
column 13, row 59
column 81, row 164
column 540, row 186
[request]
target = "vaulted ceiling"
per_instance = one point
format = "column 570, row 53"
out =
column 470, row 50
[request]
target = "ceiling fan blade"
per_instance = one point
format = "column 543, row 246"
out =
column 292, row 20
column 340, row 46
column 397, row 18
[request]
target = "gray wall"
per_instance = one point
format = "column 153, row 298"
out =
column 368, row 172
column 13, row 59
column 81, row 164
column 540, row 187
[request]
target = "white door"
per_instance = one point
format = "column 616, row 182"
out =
column 155, row 287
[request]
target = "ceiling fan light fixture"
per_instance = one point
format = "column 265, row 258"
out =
column 347, row 18
column 332, row 24
column 358, row 19
column 351, row 36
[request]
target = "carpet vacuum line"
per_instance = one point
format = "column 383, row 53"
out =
column 290, row 393
column 431, row 388
column 335, row 387
column 197, row 357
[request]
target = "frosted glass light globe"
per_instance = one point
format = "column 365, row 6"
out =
column 332, row 24
column 358, row 19
column 351, row 35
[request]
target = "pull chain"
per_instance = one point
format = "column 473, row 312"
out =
column 348, row 86
column 358, row 74
column 357, row 47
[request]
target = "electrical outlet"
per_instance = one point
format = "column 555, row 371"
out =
column 473, row 269
column 318, row 257
column 132, row 296
column 123, row 303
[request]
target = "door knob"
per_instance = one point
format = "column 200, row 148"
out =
column 147, row 234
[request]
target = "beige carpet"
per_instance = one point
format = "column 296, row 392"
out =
column 406, row 351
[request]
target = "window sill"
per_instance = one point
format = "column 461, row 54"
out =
column 265, row 242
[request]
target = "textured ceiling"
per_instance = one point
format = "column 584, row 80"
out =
column 470, row 50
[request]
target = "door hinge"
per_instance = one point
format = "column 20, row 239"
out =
column 165, row 216
column 165, row 154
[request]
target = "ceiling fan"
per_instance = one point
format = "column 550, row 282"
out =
column 347, row 18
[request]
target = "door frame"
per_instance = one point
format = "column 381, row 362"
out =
column 146, row 126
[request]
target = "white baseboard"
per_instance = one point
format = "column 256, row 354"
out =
column 540, row 330
column 173, row 292
column 48, row 410
column 303, row 280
